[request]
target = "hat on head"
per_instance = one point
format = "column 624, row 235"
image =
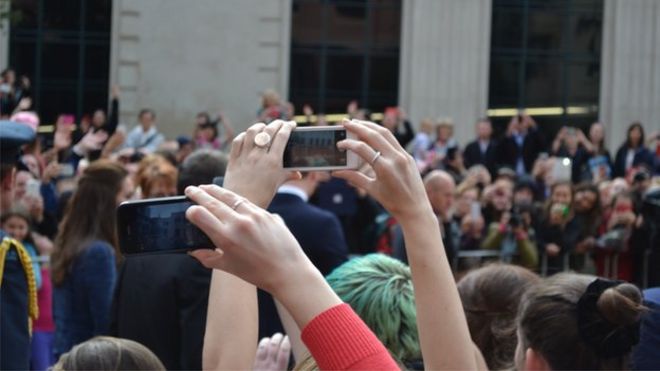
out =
column 13, row 136
column 27, row 118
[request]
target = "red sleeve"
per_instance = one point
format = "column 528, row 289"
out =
column 339, row 340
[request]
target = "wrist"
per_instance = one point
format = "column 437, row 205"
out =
column 414, row 219
column 258, row 197
column 305, row 294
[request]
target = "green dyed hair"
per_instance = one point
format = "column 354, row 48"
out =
column 380, row 290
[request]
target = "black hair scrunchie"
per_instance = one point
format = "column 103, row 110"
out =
column 607, row 339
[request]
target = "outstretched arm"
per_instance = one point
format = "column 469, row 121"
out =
column 257, row 247
column 232, row 317
column 443, row 331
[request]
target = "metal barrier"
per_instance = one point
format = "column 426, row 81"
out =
column 476, row 254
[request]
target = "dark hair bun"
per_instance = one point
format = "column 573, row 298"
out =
column 621, row 305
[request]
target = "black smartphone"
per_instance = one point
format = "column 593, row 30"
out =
column 158, row 225
column 314, row 148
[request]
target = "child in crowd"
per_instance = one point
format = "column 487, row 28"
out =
column 17, row 224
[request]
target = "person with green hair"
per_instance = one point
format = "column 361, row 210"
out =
column 380, row 291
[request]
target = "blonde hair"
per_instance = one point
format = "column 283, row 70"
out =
column 109, row 353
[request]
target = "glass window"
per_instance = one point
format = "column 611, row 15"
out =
column 546, row 53
column 343, row 50
column 63, row 46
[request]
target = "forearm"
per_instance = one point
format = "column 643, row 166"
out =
column 231, row 323
column 299, row 349
column 440, row 317
column 308, row 296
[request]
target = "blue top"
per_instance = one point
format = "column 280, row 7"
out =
column 645, row 354
column 36, row 267
column 81, row 305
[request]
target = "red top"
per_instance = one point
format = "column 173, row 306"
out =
column 45, row 302
column 339, row 340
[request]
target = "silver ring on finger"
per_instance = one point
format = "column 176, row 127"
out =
column 376, row 157
column 237, row 203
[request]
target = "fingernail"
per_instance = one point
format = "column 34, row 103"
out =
column 190, row 189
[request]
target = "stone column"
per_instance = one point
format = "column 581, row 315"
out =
column 182, row 57
column 445, row 54
column 630, row 68
column 4, row 35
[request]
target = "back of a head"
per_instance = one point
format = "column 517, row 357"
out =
column 108, row 353
column 491, row 296
column 200, row 168
column 581, row 322
column 380, row 291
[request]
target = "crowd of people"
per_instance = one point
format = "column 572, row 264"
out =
column 357, row 268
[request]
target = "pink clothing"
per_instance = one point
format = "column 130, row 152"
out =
column 45, row 302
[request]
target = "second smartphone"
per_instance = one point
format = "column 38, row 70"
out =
column 314, row 148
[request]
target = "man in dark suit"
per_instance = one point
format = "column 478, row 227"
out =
column 482, row 150
column 161, row 300
column 522, row 145
column 318, row 231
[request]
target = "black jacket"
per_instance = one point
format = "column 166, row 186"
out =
column 161, row 302
column 533, row 144
column 473, row 156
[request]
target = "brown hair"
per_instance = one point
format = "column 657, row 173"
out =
column 90, row 215
column 548, row 321
column 155, row 169
column 490, row 297
column 108, row 353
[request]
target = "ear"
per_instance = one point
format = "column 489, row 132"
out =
column 535, row 361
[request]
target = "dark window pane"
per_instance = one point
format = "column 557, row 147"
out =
column 386, row 26
column 23, row 14
column 58, row 28
column 384, row 76
column 97, row 61
column 583, row 83
column 307, row 24
column 330, row 41
column 61, row 14
column 344, row 72
column 346, row 28
column 98, row 15
column 507, row 30
column 543, row 84
column 22, row 57
column 585, row 33
column 504, row 85
column 545, row 30
column 59, row 61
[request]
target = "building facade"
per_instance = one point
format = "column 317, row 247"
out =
column 567, row 62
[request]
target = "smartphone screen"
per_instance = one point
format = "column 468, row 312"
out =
column 158, row 225
column 315, row 148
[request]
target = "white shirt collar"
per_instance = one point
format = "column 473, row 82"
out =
column 293, row 190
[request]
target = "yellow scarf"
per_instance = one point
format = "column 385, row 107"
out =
column 26, row 262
